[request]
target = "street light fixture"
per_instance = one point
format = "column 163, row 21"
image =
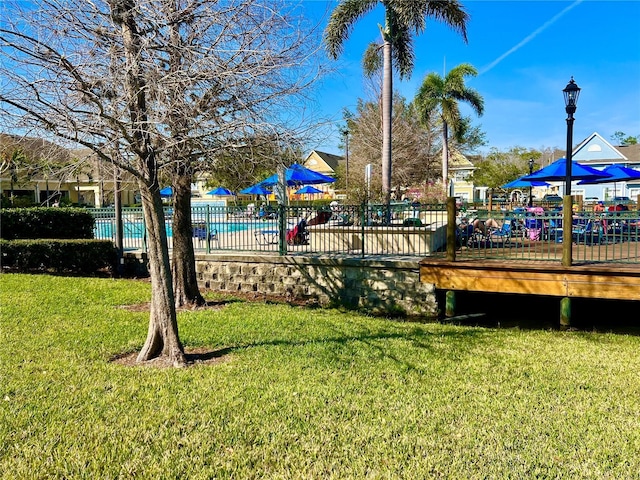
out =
column 530, row 186
column 571, row 93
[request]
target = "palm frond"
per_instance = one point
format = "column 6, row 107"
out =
column 342, row 21
column 403, row 52
column 372, row 59
column 450, row 12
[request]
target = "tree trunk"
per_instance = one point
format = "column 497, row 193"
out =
column 387, row 97
column 445, row 158
column 185, row 282
column 162, row 337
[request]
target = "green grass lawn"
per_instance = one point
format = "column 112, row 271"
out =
column 303, row 394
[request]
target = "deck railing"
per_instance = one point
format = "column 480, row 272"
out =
column 537, row 234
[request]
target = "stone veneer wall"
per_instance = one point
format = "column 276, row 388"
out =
column 377, row 286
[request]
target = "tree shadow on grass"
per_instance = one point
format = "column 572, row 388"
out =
column 459, row 343
column 193, row 356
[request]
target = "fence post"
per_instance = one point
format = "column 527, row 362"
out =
column 282, row 229
column 451, row 229
column 363, row 219
column 207, row 231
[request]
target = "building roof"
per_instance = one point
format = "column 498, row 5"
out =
column 632, row 152
column 35, row 148
column 322, row 162
column 595, row 150
column 458, row 161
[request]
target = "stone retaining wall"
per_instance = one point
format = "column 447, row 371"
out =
column 377, row 286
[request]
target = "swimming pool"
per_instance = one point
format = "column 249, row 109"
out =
column 105, row 228
column 213, row 228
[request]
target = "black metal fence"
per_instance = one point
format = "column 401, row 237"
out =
column 402, row 229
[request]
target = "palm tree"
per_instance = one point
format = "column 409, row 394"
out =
column 440, row 96
column 401, row 18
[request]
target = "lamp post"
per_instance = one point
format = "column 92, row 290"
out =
column 530, row 186
column 345, row 132
column 571, row 93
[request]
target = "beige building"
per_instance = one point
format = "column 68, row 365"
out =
column 37, row 172
column 321, row 162
column 460, row 171
column 327, row 164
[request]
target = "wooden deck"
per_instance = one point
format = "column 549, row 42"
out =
column 596, row 280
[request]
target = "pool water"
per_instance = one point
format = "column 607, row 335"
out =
column 105, row 229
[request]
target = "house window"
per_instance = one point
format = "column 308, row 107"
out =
column 461, row 175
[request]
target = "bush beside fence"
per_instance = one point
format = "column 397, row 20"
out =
column 44, row 255
column 41, row 222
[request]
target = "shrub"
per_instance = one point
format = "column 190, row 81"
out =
column 39, row 222
column 76, row 256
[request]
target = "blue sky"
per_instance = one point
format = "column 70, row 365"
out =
column 526, row 52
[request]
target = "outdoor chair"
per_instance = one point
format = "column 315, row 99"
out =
column 298, row 235
column 518, row 229
column 478, row 239
column 463, row 233
column 554, row 231
column 250, row 212
column 587, row 233
column 501, row 235
column 535, row 228
column 267, row 212
column 199, row 232
column 616, row 229
column 266, row 237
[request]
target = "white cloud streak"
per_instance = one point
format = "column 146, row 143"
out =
column 529, row 37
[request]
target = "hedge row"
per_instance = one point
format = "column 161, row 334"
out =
column 39, row 222
column 77, row 256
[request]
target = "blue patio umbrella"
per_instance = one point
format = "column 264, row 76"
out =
column 166, row 192
column 297, row 174
column 617, row 173
column 257, row 189
column 308, row 190
column 520, row 183
column 557, row 172
column 221, row 192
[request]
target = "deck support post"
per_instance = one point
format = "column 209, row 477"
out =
column 450, row 303
column 565, row 313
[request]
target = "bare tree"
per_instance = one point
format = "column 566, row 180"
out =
column 250, row 160
column 229, row 73
column 413, row 147
column 100, row 74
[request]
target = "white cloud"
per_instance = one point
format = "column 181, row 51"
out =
column 530, row 37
